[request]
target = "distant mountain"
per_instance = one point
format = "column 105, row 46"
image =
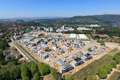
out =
column 108, row 17
column 106, row 20
column 32, row 18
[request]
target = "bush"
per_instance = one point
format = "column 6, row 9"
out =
column 68, row 77
column 114, row 64
column 103, row 73
column 103, row 70
column 89, row 77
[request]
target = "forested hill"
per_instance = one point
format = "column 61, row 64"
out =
column 103, row 20
column 113, row 18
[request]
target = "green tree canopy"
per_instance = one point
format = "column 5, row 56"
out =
column 114, row 64
column 25, row 72
column 36, row 76
column 34, row 68
column 43, row 68
column 53, row 72
column 15, row 72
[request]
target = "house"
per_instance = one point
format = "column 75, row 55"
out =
column 36, row 34
column 92, row 48
column 81, row 54
column 17, row 37
column 100, row 35
column 76, row 45
column 73, row 35
column 14, row 54
column 25, row 43
column 51, row 29
column 29, row 39
column 6, row 52
column 87, row 56
column 82, row 44
column 44, row 46
column 77, row 61
column 83, row 28
column 64, row 67
column 42, row 55
column 59, row 30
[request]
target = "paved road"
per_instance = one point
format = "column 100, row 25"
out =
column 26, row 54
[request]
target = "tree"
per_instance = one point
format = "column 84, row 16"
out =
column 108, row 68
column 15, row 72
column 89, row 77
column 43, row 68
column 36, row 76
column 53, row 72
column 117, row 57
column 57, row 77
column 114, row 64
column 1, row 56
column 4, row 74
column 68, row 77
column 102, row 73
column 12, row 63
column 25, row 72
column 98, row 71
column 25, row 78
column 34, row 68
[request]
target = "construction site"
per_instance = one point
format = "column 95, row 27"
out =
column 68, row 53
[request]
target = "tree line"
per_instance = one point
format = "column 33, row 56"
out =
column 104, row 69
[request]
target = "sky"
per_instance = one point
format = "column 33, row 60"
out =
column 57, row 8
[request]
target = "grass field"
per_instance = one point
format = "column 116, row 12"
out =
column 91, row 68
column 114, row 76
column 114, row 50
column 119, row 68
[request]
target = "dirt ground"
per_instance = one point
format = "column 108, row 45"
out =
column 54, row 64
column 48, row 77
column 111, row 47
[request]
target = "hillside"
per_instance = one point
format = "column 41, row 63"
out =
column 103, row 20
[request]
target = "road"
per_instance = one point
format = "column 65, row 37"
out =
column 25, row 53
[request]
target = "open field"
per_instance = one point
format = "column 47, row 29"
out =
column 114, row 50
column 119, row 68
column 91, row 68
column 114, row 76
